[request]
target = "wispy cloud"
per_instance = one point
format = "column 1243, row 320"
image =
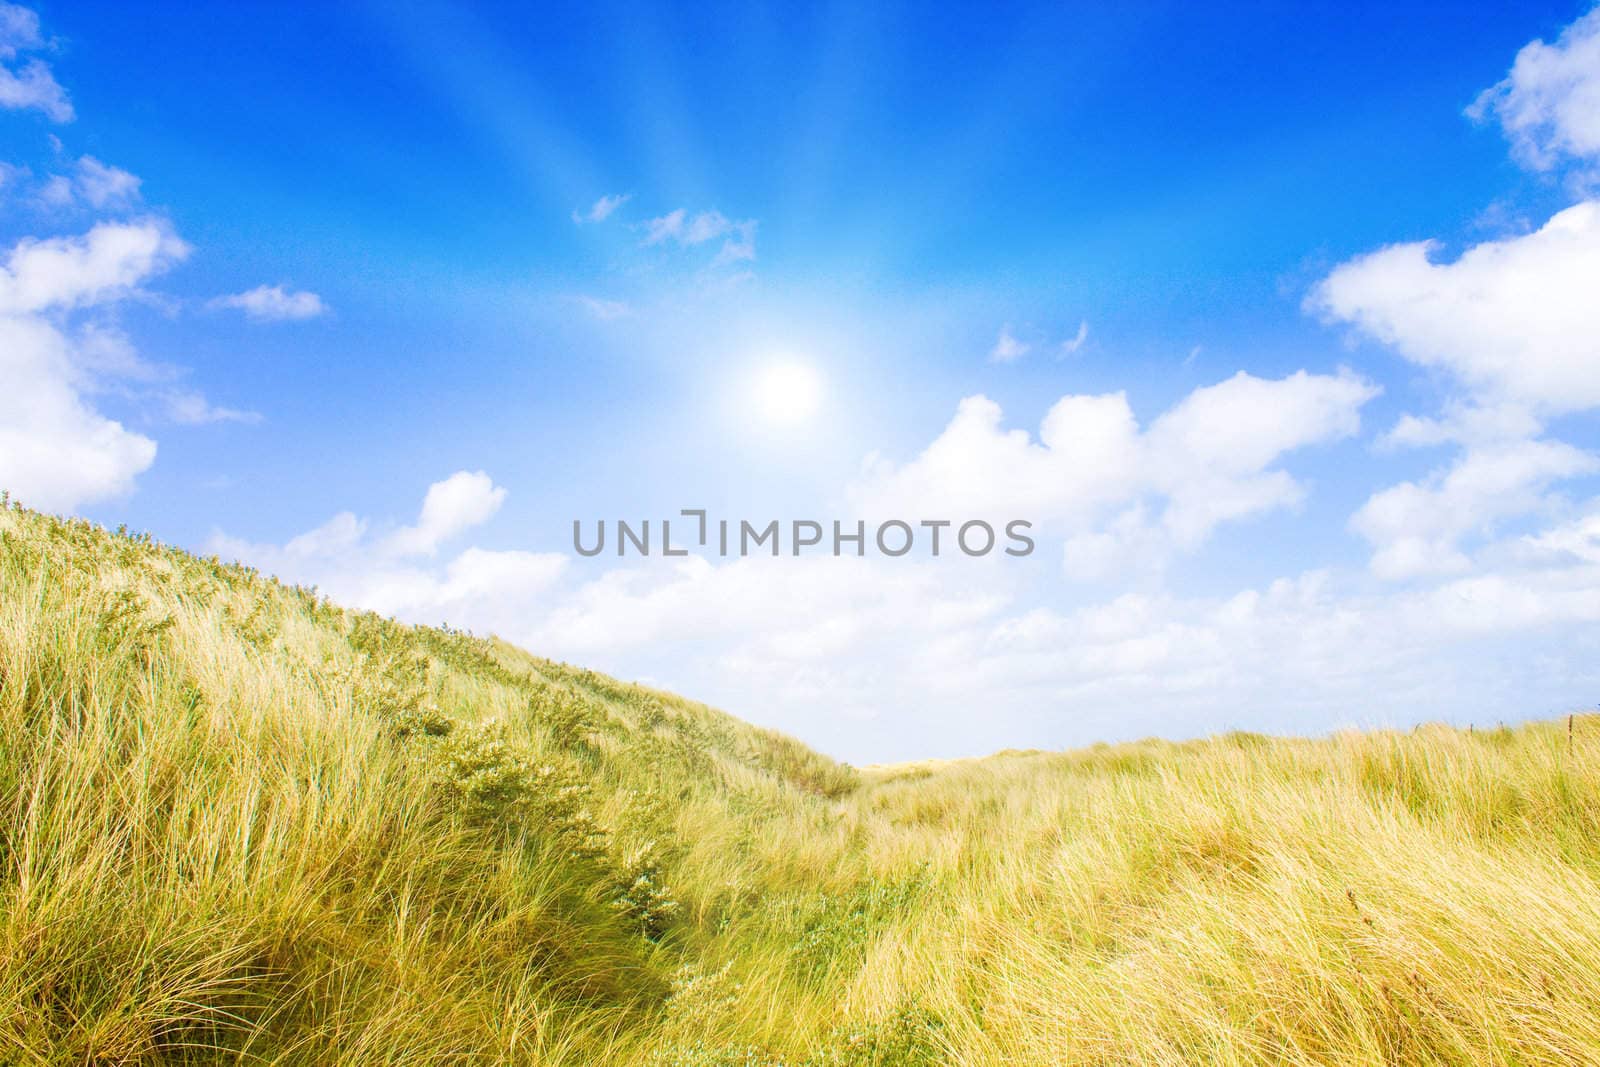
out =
column 685, row 230
column 1075, row 342
column 1007, row 349
column 604, row 310
column 187, row 408
column 104, row 186
column 27, row 84
column 665, row 226
column 91, row 184
column 601, row 209
column 273, row 303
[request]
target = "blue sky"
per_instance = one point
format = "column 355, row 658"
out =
column 288, row 265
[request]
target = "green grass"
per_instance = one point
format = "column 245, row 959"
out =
column 240, row 824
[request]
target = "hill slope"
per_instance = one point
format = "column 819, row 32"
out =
column 241, row 824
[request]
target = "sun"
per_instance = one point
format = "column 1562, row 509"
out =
column 787, row 392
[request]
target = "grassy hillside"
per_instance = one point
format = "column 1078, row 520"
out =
column 241, row 824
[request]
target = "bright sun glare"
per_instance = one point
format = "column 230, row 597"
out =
column 787, row 392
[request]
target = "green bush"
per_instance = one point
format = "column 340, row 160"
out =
column 494, row 783
column 643, row 897
column 907, row 1038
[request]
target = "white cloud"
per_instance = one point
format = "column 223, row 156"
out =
column 189, row 408
column 1549, row 105
column 1415, row 529
column 1211, row 454
column 340, row 534
column 55, row 192
column 453, row 506
column 484, row 589
column 1210, row 459
column 740, row 247
column 601, row 209
column 105, row 186
column 1514, row 321
column 274, row 303
column 1577, row 541
column 91, row 183
column 107, row 263
column 875, row 659
column 27, row 84
column 1514, row 328
column 1075, row 342
column 685, row 230
column 604, row 310
column 1007, row 349
column 1464, row 424
column 104, row 353
column 19, row 30
column 706, row 226
column 664, row 227
column 899, row 662
column 56, row 452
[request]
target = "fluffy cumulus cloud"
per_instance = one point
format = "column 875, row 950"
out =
column 392, row 571
column 56, row 451
column 453, row 506
column 274, row 303
column 1514, row 320
column 1417, row 528
column 1512, row 328
column 1117, row 490
column 26, row 82
column 1549, row 104
column 105, row 264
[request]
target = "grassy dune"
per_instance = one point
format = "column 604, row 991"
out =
column 241, row 824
